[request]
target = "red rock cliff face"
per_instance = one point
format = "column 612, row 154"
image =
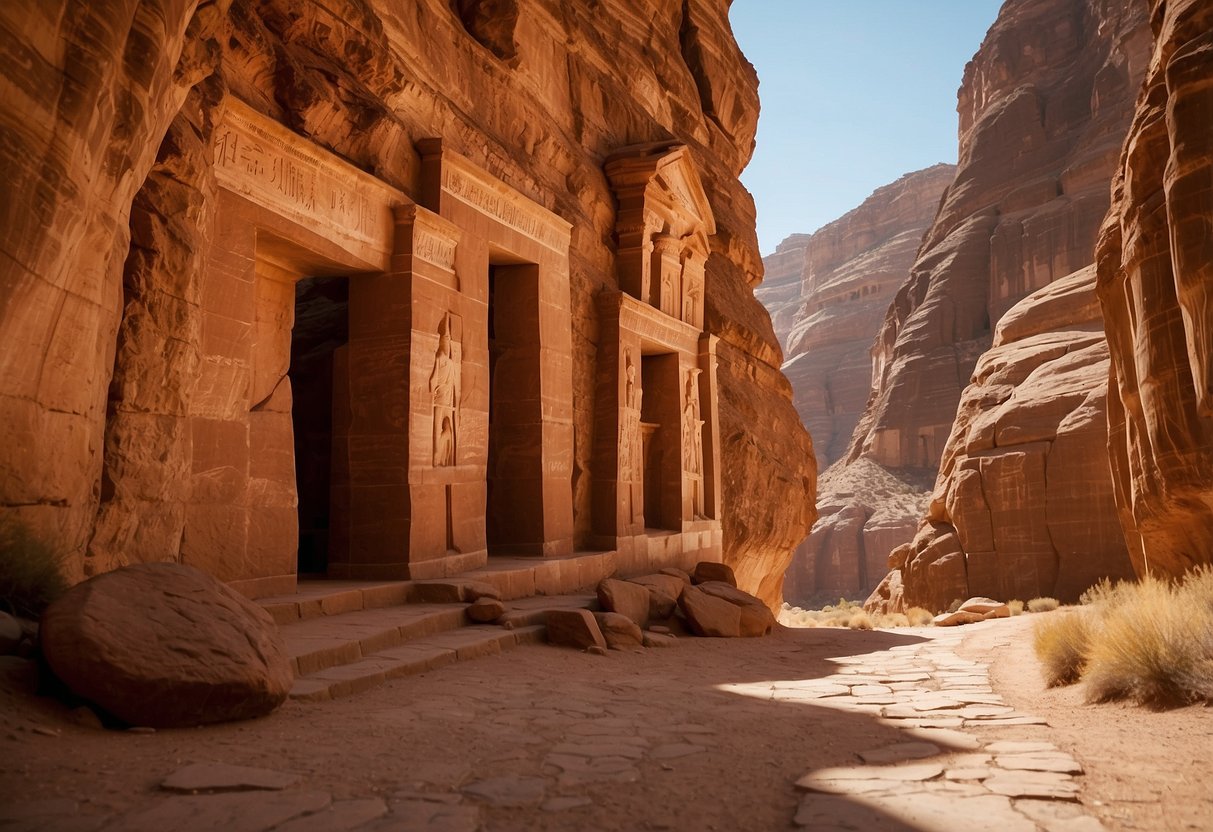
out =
column 849, row 271
column 780, row 289
column 1155, row 262
column 97, row 285
column 1043, row 108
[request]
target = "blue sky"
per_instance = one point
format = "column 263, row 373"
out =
column 854, row 93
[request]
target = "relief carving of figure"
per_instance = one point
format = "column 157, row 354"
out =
column 629, row 427
column 692, row 445
column 445, row 388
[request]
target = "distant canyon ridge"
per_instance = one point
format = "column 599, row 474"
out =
column 1036, row 416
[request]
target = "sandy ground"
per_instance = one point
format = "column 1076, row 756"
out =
column 1145, row 769
column 691, row 751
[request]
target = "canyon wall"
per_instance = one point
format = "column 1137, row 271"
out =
column 1155, row 262
column 850, row 269
column 1044, row 106
column 783, row 273
column 112, row 206
column 1023, row 506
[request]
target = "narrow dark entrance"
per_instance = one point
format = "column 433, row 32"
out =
column 514, row 502
column 660, row 425
column 321, row 326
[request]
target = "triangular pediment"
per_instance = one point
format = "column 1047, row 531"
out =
column 666, row 172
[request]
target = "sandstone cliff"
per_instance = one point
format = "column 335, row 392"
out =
column 783, row 274
column 99, row 332
column 1155, row 261
column 849, row 269
column 1023, row 504
column 1043, row 107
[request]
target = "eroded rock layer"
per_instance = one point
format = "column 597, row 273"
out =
column 1155, row 261
column 849, row 271
column 1044, row 106
column 100, row 336
column 1023, row 505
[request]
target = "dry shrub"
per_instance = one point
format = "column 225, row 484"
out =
column 1063, row 644
column 1043, row 604
column 892, row 620
column 1155, row 644
column 31, row 573
column 920, row 617
column 860, row 621
column 1016, row 607
column 955, row 605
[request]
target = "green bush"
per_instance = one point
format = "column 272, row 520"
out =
column 31, row 572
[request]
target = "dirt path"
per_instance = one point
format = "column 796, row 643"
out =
column 1145, row 769
column 709, row 735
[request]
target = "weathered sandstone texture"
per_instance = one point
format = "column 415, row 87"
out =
column 779, row 292
column 166, row 646
column 1155, row 261
column 1023, row 505
column 1044, row 106
column 849, row 270
column 140, row 344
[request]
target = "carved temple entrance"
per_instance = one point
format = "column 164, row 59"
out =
column 657, row 447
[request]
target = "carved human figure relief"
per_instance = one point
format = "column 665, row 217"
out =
column 692, row 441
column 629, row 427
column 446, row 391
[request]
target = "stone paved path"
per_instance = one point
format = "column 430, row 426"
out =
column 815, row 729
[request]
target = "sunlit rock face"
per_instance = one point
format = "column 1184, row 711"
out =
column 111, row 209
column 1155, row 261
column 1044, row 106
column 1023, row 506
column 849, row 270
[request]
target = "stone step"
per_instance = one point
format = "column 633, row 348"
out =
column 416, row 656
column 527, row 612
column 328, row 641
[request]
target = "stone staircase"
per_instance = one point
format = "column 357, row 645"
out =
column 344, row 637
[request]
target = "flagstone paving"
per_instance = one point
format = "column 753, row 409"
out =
column 928, row 746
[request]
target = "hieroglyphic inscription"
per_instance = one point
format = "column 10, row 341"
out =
column 266, row 163
column 514, row 211
column 434, row 249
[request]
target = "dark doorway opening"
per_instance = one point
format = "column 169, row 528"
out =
column 321, row 326
column 514, row 500
column 660, row 422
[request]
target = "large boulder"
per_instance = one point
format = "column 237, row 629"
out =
column 707, row 570
column 620, row 632
column 625, row 598
column 574, row 628
column 165, row 645
column 722, row 611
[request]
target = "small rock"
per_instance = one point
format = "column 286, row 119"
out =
column 595, row 650
column 706, row 571
column 220, row 777
column 954, row 619
column 574, row 628
column 984, row 606
column 485, row 610
column 475, row 590
column 141, row 729
column 620, row 632
column 44, row 731
column 659, row 640
column 659, row 629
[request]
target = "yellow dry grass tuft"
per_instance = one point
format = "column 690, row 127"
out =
column 1154, row 644
column 1043, row 604
column 920, row 617
column 1062, row 644
column 1016, row 607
